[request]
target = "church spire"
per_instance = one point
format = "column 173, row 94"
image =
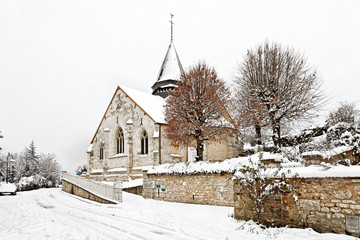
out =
column 170, row 71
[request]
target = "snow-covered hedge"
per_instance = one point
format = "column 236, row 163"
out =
column 229, row 165
column 35, row 182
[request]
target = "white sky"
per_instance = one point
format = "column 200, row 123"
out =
column 61, row 60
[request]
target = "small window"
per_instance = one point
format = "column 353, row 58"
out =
column 144, row 143
column 101, row 152
column 120, row 141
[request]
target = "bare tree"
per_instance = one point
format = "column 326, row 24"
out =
column 195, row 110
column 281, row 84
column 346, row 112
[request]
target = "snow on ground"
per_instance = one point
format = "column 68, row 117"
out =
column 53, row 214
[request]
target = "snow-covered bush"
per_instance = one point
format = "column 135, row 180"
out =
column 302, row 137
column 32, row 170
column 260, row 182
column 81, row 170
column 30, row 183
column 326, row 140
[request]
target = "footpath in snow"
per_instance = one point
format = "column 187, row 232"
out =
column 53, row 214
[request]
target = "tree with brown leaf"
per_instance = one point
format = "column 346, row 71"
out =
column 195, row 110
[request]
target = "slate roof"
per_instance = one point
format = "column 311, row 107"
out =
column 171, row 68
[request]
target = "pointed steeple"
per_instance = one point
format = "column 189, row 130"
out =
column 170, row 71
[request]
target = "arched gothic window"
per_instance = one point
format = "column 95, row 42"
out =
column 120, row 141
column 101, row 151
column 144, row 143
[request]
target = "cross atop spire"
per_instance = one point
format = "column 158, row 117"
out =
column 172, row 23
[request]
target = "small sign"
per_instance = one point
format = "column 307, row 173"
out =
column 353, row 224
column 163, row 187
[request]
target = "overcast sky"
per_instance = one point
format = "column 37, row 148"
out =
column 60, row 61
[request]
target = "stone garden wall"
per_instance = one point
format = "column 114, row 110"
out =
column 324, row 204
column 317, row 159
column 201, row 188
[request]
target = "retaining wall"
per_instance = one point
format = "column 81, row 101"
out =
column 209, row 189
column 324, row 204
column 78, row 191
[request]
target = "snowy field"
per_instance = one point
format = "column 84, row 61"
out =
column 53, row 214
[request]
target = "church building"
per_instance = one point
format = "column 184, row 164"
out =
column 131, row 135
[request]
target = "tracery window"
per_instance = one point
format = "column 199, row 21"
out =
column 120, row 141
column 144, row 143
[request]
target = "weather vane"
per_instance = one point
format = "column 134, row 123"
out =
column 172, row 23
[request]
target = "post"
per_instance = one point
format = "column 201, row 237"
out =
column 9, row 156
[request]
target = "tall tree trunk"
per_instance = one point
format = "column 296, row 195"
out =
column 276, row 133
column 258, row 134
column 199, row 149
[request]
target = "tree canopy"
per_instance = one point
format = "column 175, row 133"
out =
column 195, row 109
column 275, row 86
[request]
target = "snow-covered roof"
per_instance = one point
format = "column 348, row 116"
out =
column 151, row 104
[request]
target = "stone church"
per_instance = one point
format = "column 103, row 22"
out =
column 131, row 136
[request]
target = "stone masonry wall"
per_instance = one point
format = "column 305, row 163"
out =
column 228, row 146
column 210, row 189
column 318, row 159
column 324, row 204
